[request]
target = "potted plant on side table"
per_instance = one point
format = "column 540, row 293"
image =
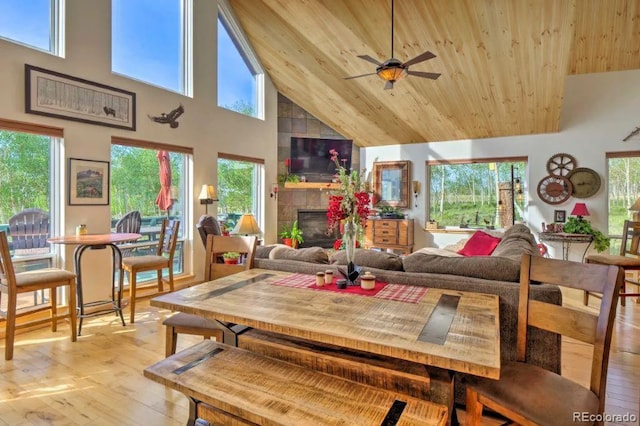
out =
column 231, row 257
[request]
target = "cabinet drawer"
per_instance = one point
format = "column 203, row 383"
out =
column 389, row 239
column 386, row 225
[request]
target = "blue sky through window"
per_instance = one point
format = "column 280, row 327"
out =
column 146, row 41
column 27, row 22
column 236, row 82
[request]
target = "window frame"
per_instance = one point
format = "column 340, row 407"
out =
column 56, row 30
column 258, row 177
column 185, row 65
column 510, row 209
column 184, row 193
column 238, row 38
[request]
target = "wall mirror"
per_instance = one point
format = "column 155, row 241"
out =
column 391, row 183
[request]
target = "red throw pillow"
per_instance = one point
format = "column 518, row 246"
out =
column 480, row 244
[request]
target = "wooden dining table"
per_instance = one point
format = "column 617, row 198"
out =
column 452, row 330
column 97, row 242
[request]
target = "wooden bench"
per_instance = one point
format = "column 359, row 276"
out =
column 406, row 377
column 230, row 385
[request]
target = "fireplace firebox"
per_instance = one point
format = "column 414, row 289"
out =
column 313, row 224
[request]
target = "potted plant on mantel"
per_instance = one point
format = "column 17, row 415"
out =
column 231, row 257
column 292, row 237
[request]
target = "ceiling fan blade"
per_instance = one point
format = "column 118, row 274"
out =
column 431, row 75
column 370, row 59
column 388, row 85
column 361, row 75
column 420, row 58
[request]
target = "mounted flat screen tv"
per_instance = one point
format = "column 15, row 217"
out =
column 310, row 157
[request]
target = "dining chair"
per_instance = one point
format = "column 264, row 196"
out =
column 628, row 259
column 163, row 259
column 12, row 284
column 182, row 323
column 530, row 395
column 130, row 223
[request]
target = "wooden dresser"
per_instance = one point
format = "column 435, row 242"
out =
column 394, row 234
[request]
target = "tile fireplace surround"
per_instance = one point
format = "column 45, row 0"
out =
column 313, row 224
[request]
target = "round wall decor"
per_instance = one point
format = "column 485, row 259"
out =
column 586, row 182
column 561, row 164
column 554, row 189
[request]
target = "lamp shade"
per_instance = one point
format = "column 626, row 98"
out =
column 247, row 225
column 636, row 206
column 208, row 192
column 580, row 209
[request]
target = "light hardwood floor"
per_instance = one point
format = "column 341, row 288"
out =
column 98, row 380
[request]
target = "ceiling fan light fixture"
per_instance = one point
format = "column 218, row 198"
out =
column 392, row 73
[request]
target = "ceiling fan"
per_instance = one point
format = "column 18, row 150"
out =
column 392, row 69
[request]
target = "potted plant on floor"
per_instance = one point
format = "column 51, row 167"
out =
column 292, row 236
column 231, row 257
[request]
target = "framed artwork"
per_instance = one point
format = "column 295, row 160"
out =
column 53, row 94
column 391, row 182
column 559, row 216
column 88, row 182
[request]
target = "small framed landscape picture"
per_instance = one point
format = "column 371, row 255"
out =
column 559, row 216
column 88, row 182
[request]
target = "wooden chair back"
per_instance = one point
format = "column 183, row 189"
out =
column 168, row 237
column 29, row 230
column 577, row 324
column 207, row 225
column 218, row 245
column 7, row 273
column 130, row 223
column 630, row 245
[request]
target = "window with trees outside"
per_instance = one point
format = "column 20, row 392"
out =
column 135, row 184
column 34, row 23
column 480, row 194
column 624, row 190
column 240, row 183
column 29, row 187
column 240, row 76
column 152, row 42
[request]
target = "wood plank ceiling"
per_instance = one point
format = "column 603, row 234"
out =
column 504, row 63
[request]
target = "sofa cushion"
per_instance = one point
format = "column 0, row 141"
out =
column 308, row 254
column 485, row 267
column 263, row 252
column 517, row 240
column 480, row 244
column 370, row 258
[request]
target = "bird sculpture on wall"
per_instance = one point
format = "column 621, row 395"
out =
column 169, row 118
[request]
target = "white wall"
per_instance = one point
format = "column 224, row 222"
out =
column 204, row 126
column 599, row 111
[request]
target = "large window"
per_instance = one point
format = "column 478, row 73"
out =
column 136, row 181
column 240, row 76
column 239, row 188
column 624, row 190
column 151, row 41
column 479, row 194
column 35, row 23
column 29, row 197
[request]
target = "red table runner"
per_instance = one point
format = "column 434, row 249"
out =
column 382, row 290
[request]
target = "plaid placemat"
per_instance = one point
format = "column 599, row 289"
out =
column 397, row 292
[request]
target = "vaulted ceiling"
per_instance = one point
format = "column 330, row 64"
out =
column 504, row 63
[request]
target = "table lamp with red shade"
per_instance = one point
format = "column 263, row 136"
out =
column 580, row 210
